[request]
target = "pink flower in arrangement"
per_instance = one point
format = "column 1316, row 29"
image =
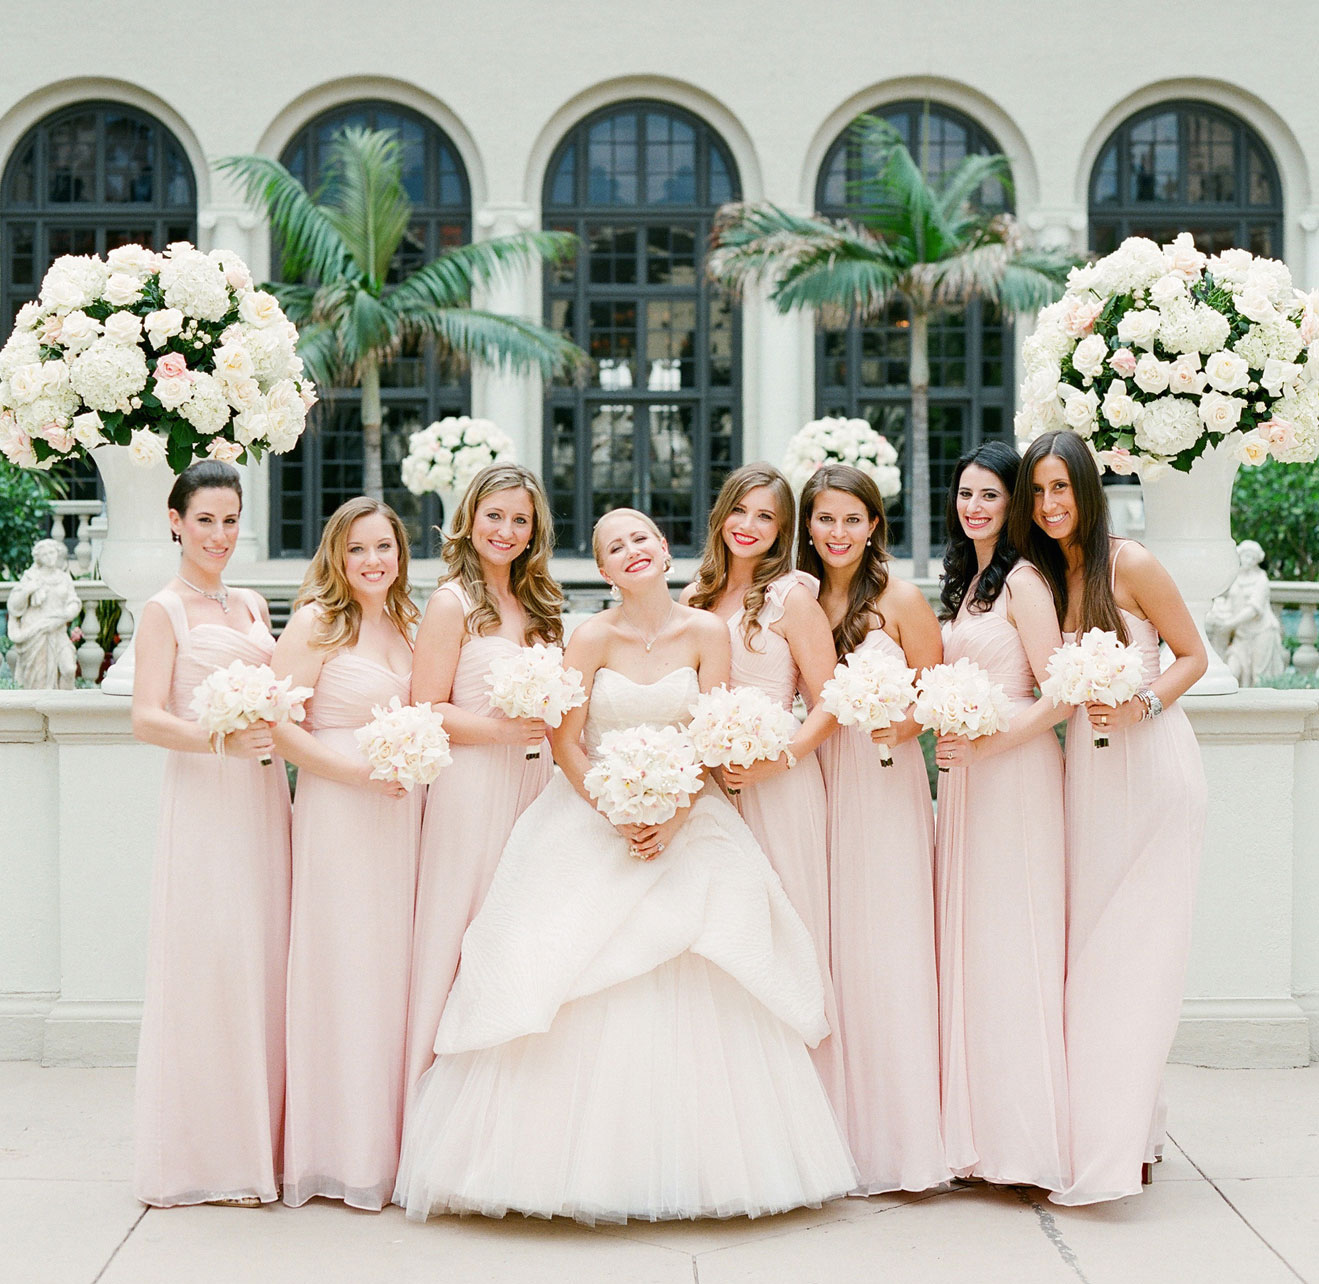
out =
column 1278, row 432
column 55, row 434
column 172, row 366
column 1119, row 460
column 224, row 450
column 1124, row 362
column 1081, row 316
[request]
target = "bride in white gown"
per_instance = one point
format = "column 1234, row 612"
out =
column 628, row 1032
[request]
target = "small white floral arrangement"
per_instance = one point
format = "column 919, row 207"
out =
column 870, row 690
column 1153, row 354
column 738, row 726
column 642, row 775
column 406, row 743
column 1099, row 668
column 447, row 454
column 835, row 440
column 234, row 698
column 534, row 683
column 960, row 699
column 177, row 356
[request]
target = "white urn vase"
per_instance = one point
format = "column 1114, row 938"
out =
column 1188, row 527
column 137, row 557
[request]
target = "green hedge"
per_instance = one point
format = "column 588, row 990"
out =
column 24, row 517
column 1277, row 505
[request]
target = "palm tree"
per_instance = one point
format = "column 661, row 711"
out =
column 929, row 244
column 336, row 250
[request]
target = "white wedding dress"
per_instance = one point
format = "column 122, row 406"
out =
column 628, row 1038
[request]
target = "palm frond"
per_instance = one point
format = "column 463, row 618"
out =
column 752, row 242
column 497, row 340
column 847, row 279
column 448, row 281
column 318, row 347
column 959, row 189
column 367, row 328
column 1035, row 278
column 369, row 208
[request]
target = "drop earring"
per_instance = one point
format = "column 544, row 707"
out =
column 613, row 591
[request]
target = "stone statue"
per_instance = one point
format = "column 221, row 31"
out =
column 42, row 606
column 1241, row 625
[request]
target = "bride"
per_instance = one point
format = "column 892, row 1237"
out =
column 628, row 1032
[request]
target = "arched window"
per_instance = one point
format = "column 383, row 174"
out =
column 656, row 426
column 84, row 180
column 861, row 370
column 418, row 386
column 1186, row 167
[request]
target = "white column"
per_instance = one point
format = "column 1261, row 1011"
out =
column 778, row 375
column 1306, row 273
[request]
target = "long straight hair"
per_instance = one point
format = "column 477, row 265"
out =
column 871, row 576
column 712, row 574
column 960, row 565
column 1098, row 608
column 529, row 578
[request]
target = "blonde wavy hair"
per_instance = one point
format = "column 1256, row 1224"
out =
column 536, row 590
column 644, row 518
column 712, row 574
column 326, row 583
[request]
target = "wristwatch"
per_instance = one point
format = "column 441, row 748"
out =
column 1153, row 705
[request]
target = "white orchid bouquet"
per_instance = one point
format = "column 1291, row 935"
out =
column 1097, row 668
column 535, row 683
column 642, row 775
column 1154, row 354
column 835, row 440
column 236, row 697
column 177, row 356
column 738, row 726
column 870, row 690
column 960, row 699
column 406, row 743
column 447, row 454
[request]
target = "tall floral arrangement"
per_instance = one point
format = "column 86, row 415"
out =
column 835, row 440
column 176, row 356
column 1155, row 353
column 447, row 454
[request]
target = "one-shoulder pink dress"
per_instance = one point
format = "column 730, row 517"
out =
column 350, row 949
column 1135, row 829
column 1001, row 913
column 470, row 811
column 881, row 884
column 209, row 1102
column 787, row 813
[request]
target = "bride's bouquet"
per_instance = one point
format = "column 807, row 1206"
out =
column 737, row 726
column 406, row 743
column 1098, row 668
column 960, row 699
column 233, row 699
column 872, row 691
column 642, row 775
column 535, row 684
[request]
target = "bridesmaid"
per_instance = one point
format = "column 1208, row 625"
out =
column 1135, row 822
column 1000, row 862
column 881, row 848
column 210, row 1066
column 782, row 644
column 354, row 866
column 496, row 597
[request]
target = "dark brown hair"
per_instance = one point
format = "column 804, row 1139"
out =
column 205, row 474
column 960, row 565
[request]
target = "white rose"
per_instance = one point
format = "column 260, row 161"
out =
column 1090, row 355
column 1183, row 258
column 244, row 394
column 26, row 383
column 133, row 260
column 1152, row 469
column 1219, row 412
column 146, row 449
column 1227, row 372
column 1119, row 407
column 260, row 309
column 172, row 393
column 1185, row 375
column 1139, row 327
column 1276, row 373
column 1230, row 266
column 79, row 331
column 250, row 426
column 87, row 429
column 1252, row 450
column 163, row 325
column 27, row 315
column 233, row 363
column 1254, row 304
column 123, row 327
column 1151, row 374
column 64, row 294
column 1166, row 290
column 1081, row 411
column 122, row 289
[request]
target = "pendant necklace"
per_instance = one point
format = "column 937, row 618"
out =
column 222, row 597
column 646, row 642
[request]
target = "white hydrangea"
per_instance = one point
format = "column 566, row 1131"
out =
column 1274, row 340
column 834, row 439
column 447, row 454
column 194, row 284
column 53, row 405
column 1168, row 425
column 22, row 349
column 1300, row 408
column 1135, row 265
column 207, row 410
column 73, row 281
column 270, row 353
column 109, row 375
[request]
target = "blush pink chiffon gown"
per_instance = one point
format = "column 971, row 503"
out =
column 470, row 811
column 350, row 949
column 881, row 881
column 1135, row 828
column 787, row 814
column 1002, row 951
column 209, row 1101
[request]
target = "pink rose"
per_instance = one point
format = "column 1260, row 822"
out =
column 1080, row 317
column 1124, row 362
column 223, row 450
column 1118, row 460
column 172, row 366
column 56, row 435
column 1278, row 432
column 1309, row 328
column 50, row 329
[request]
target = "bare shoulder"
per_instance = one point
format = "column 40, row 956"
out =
column 1025, row 584
column 800, row 604
column 305, row 624
column 445, row 609
column 705, row 625
column 1138, row 568
column 687, row 594
column 903, row 600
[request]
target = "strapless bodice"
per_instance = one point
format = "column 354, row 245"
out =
column 617, row 701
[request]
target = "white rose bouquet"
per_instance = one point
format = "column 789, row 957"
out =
column 447, row 454
column 836, row 440
column 642, row 775
column 1097, row 668
column 406, row 743
column 738, row 726
column 960, row 699
column 1153, row 354
column 535, row 684
column 870, row 690
column 234, row 698
column 176, row 356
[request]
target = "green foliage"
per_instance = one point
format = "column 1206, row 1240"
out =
column 24, row 512
column 108, row 611
column 1277, row 505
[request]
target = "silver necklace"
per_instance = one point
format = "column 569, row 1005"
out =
column 647, row 642
column 222, row 597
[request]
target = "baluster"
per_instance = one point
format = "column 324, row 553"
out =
column 1306, row 656
column 57, row 524
column 125, row 633
column 90, row 651
column 82, row 550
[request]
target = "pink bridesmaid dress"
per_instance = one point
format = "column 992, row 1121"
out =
column 470, row 811
column 881, row 881
column 1001, row 930
column 1135, row 827
column 787, row 814
column 210, row 1065
column 354, row 890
